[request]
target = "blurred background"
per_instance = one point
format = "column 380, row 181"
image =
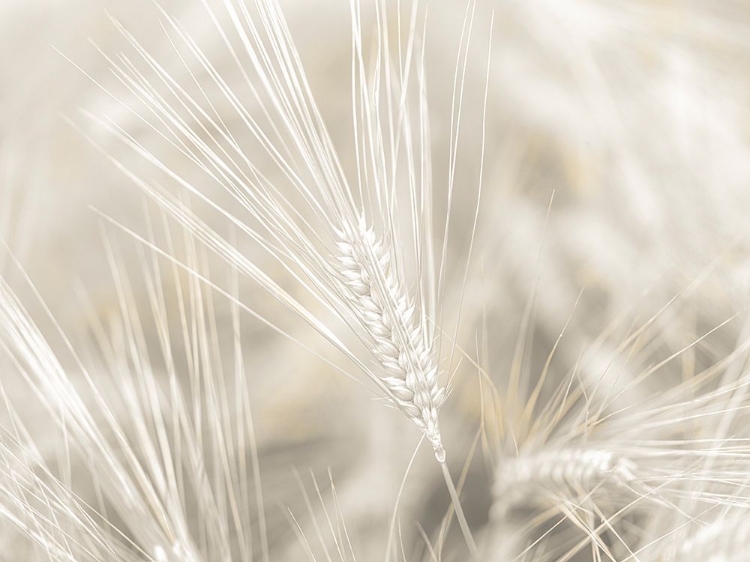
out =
column 616, row 186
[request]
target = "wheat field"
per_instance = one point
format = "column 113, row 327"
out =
column 401, row 280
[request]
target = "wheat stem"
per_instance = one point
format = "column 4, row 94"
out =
column 460, row 513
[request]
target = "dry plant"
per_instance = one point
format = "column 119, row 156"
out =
column 353, row 245
column 357, row 232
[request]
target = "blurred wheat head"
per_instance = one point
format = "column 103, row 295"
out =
column 377, row 234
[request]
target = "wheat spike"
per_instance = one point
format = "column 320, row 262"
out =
column 562, row 474
column 386, row 312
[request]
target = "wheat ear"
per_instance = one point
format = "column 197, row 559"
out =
column 563, row 474
column 387, row 315
column 385, row 311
